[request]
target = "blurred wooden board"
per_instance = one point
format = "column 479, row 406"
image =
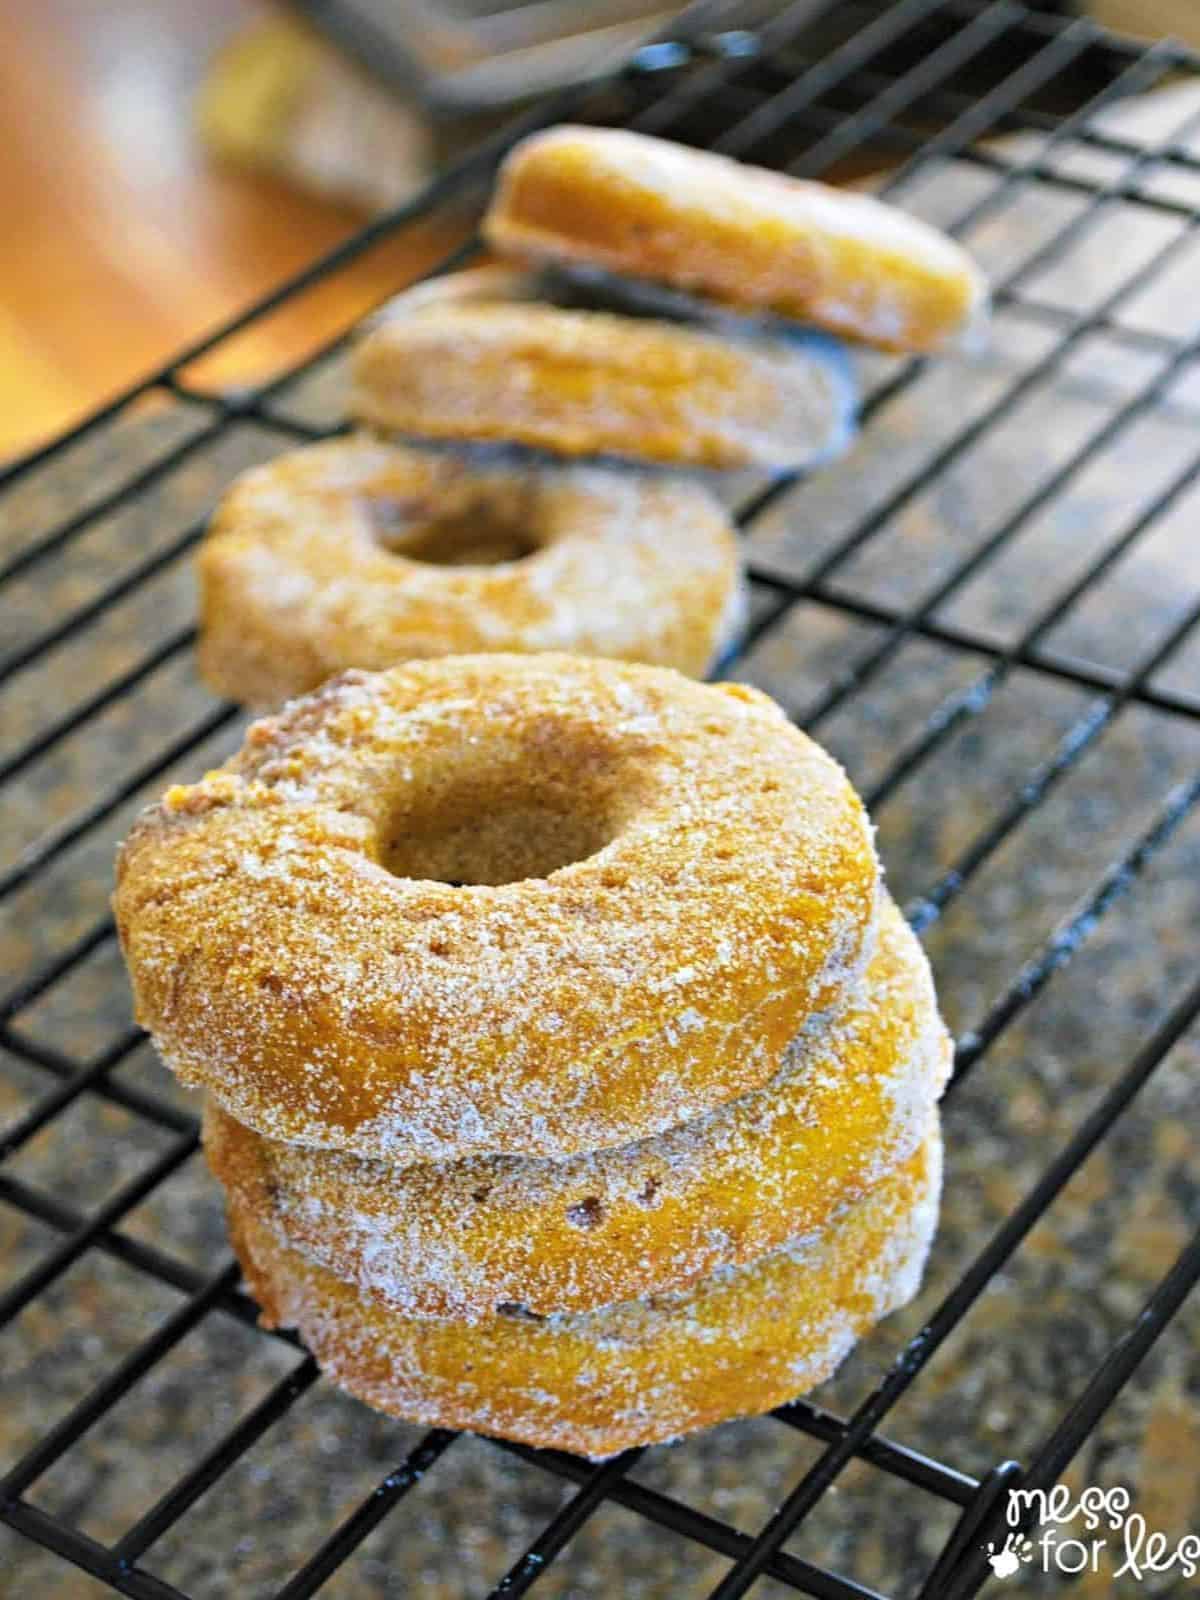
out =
column 122, row 239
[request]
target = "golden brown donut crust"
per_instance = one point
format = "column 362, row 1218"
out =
column 590, row 383
column 743, row 236
column 462, row 1239
column 287, row 952
column 312, row 564
column 738, row 1343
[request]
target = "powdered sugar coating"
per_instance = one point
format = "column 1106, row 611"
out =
column 741, row 235
column 739, row 1342
column 850, row 1104
column 728, row 876
column 296, row 582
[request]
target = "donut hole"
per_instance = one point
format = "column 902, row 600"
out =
column 478, row 532
column 479, row 833
column 508, row 799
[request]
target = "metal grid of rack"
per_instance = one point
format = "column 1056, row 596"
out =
column 763, row 96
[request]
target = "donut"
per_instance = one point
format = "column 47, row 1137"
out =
column 357, row 553
column 510, row 904
column 590, row 383
column 461, row 1240
column 740, row 236
column 737, row 1343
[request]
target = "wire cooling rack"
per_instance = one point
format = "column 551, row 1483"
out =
column 866, row 585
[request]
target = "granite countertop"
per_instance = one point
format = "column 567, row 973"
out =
column 1033, row 1339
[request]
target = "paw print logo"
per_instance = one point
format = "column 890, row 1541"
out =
column 1007, row 1560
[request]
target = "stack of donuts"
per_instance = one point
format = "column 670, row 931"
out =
column 570, row 1073
column 526, row 470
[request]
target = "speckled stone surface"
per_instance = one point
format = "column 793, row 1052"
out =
column 1029, row 1344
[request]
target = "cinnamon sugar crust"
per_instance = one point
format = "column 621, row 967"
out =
column 742, row 236
column 737, row 1343
column 464, row 1239
column 533, row 905
column 357, row 553
column 591, row 383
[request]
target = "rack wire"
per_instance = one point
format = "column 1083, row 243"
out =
column 968, row 70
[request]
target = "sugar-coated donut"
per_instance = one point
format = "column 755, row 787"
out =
column 742, row 236
column 527, row 904
column 463, row 1239
column 589, row 383
column 735, row 1344
column 356, row 553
